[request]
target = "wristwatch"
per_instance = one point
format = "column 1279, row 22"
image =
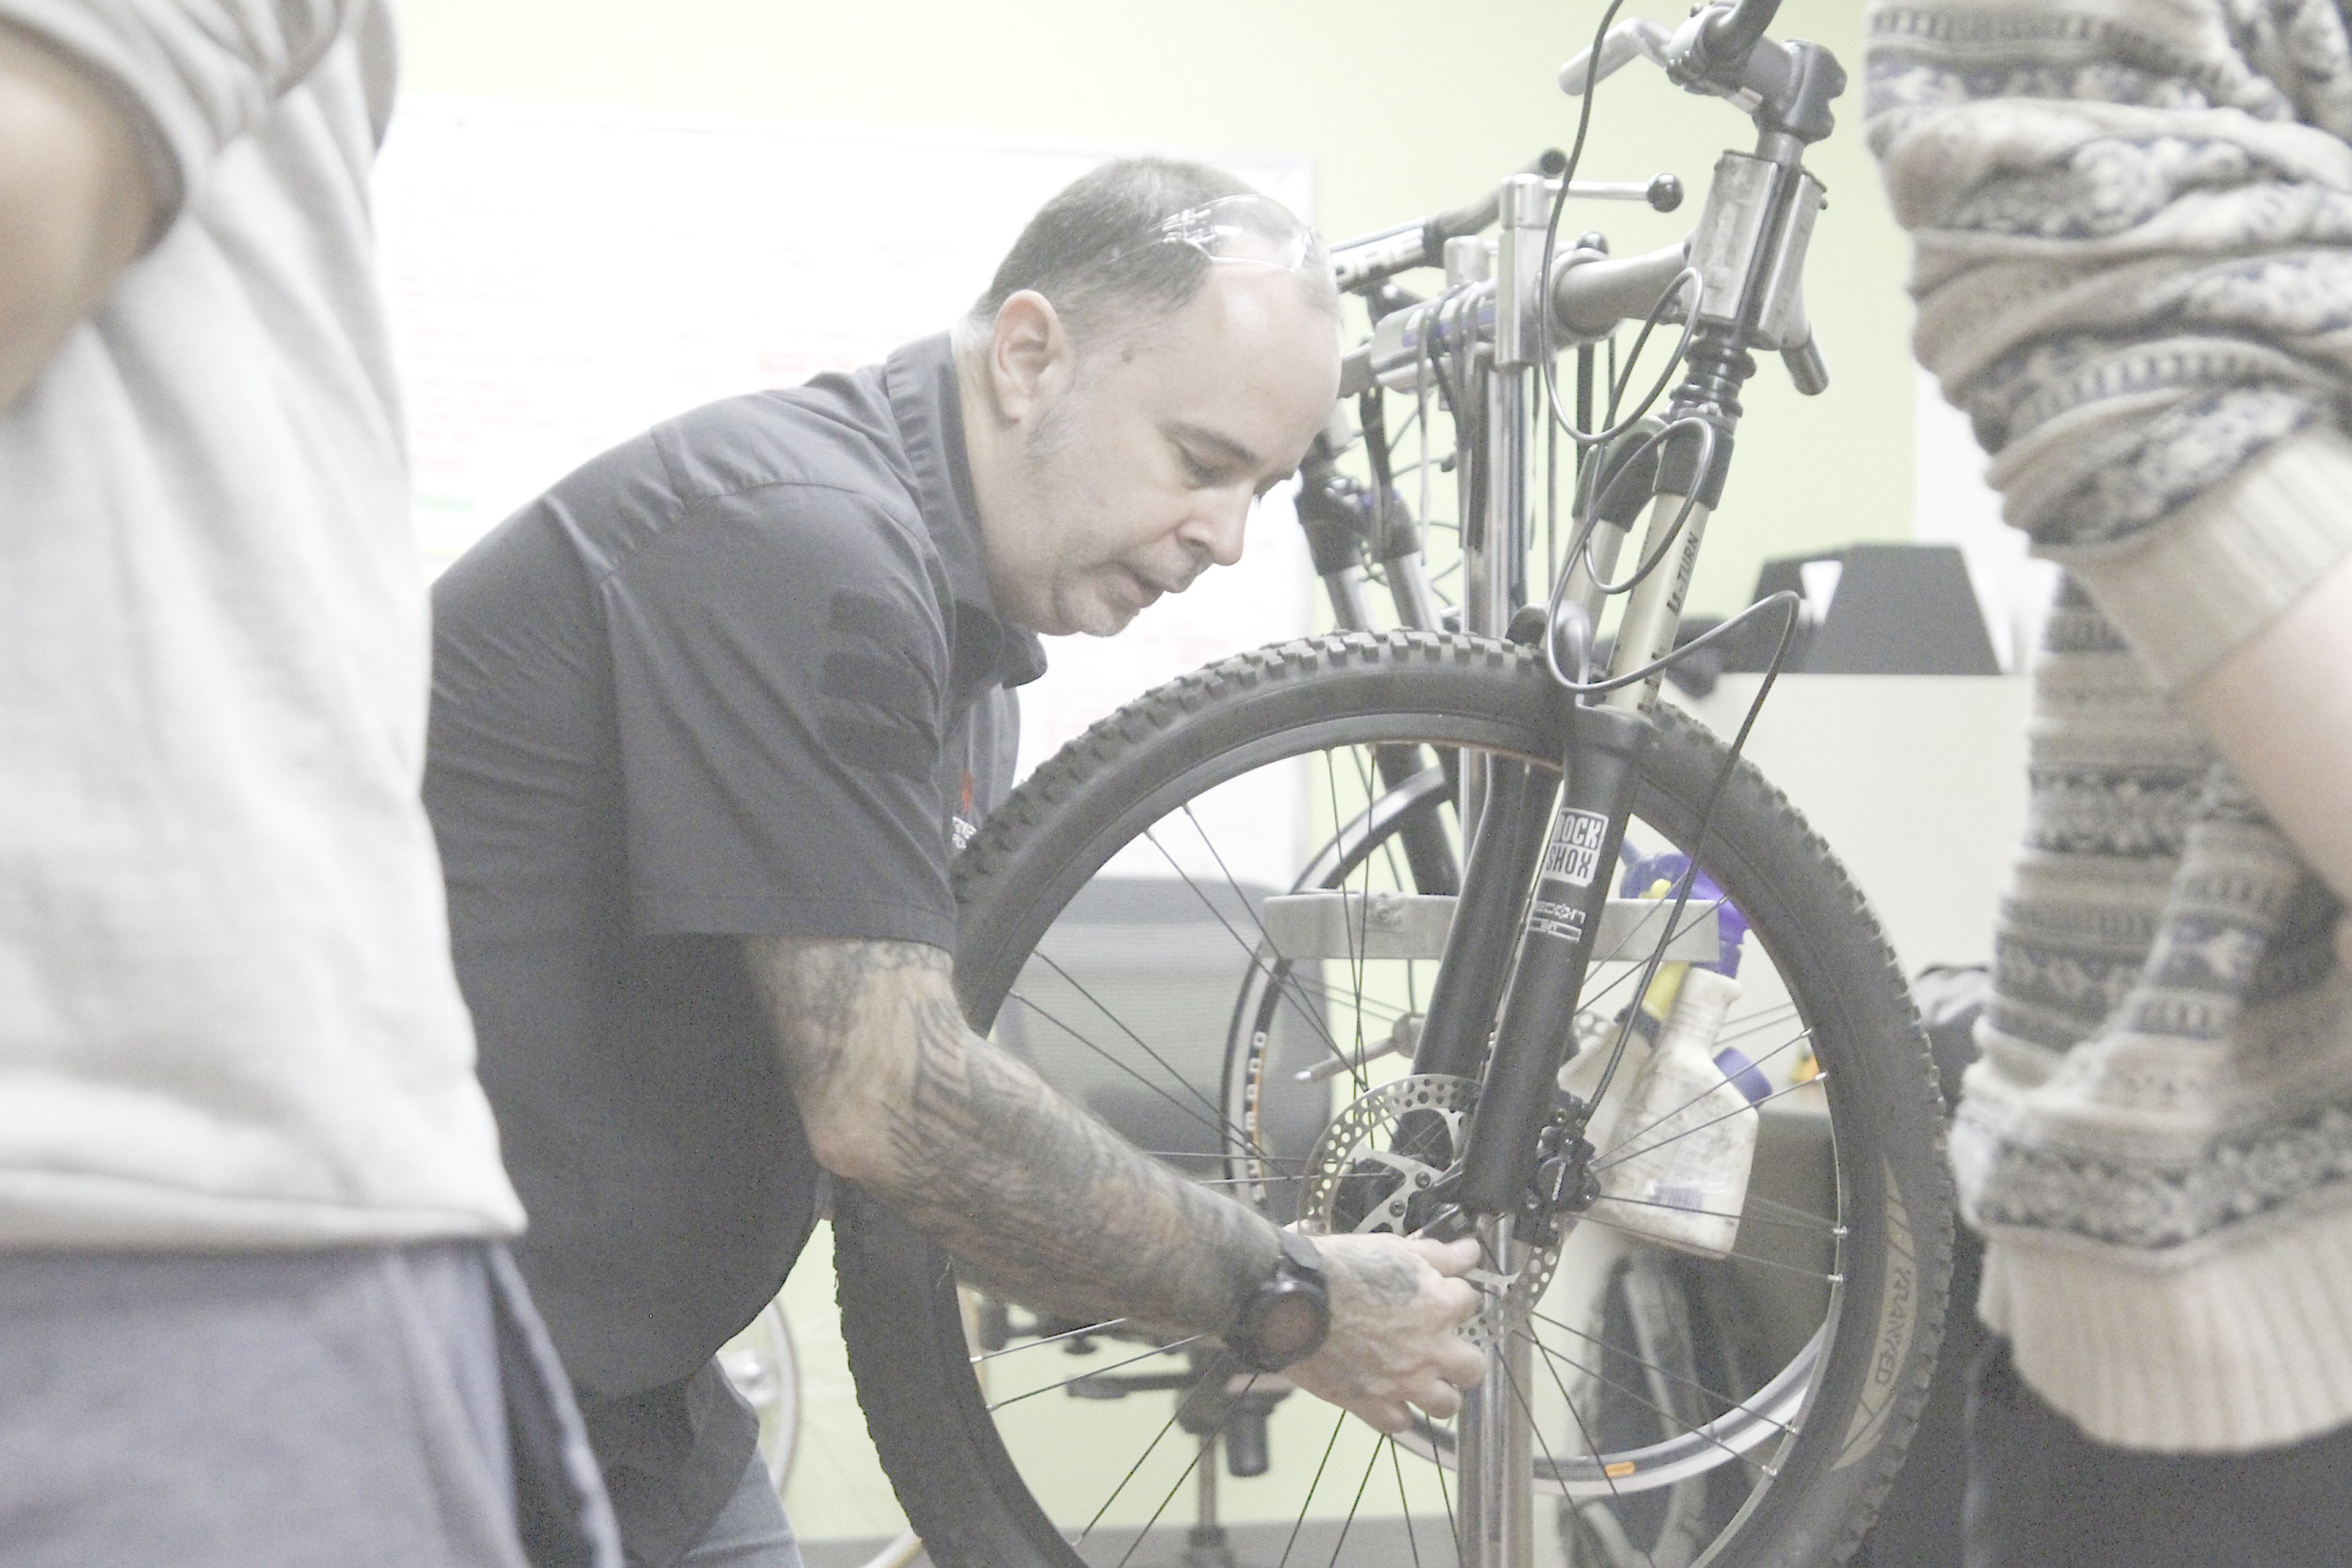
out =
column 1287, row 1313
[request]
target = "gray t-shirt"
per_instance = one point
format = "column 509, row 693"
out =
column 738, row 676
column 227, row 1017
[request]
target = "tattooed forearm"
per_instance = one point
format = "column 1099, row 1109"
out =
column 975, row 1151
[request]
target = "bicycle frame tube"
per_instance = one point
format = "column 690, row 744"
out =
column 1654, row 609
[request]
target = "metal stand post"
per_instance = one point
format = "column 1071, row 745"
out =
column 1496, row 1513
column 1206, row 1546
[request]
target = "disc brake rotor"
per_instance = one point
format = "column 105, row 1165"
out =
column 1387, row 1149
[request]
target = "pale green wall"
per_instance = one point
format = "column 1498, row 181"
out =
column 1404, row 108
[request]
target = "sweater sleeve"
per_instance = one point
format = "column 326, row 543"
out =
column 2132, row 223
column 190, row 75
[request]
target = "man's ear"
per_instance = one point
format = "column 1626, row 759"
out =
column 1031, row 360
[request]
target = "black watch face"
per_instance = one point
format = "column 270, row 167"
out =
column 1291, row 1326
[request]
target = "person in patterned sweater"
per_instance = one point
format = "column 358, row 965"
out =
column 2133, row 264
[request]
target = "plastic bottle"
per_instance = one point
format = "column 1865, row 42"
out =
column 1580, row 1075
column 1676, row 1162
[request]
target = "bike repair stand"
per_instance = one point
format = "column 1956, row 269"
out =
column 1206, row 1545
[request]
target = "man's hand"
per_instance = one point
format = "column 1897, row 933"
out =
column 1396, row 1306
column 75, row 205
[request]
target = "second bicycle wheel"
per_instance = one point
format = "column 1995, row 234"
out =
column 1200, row 921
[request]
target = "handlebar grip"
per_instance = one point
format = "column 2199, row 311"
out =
column 1807, row 368
column 1356, row 372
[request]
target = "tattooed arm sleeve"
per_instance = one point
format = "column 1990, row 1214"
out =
column 971, row 1148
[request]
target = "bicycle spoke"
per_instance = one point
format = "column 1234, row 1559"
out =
column 1103, row 1327
column 1746, row 1108
column 1655, row 1409
column 1445, row 1495
column 1834, row 1226
column 1363, row 914
column 1274, row 1181
column 1828, row 1278
column 1312, row 1488
column 1313, row 1022
column 1602, row 1160
column 1614, row 1349
column 1149, row 1449
column 1097, row 1372
column 1125, row 1028
column 1590, row 1447
column 1817, row 1226
column 1213, row 1119
column 1755, row 1023
column 1350, row 1522
column 1404, row 1503
column 1526, row 1409
column 1295, row 1166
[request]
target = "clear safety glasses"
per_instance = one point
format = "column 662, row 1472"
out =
column 1243, row 231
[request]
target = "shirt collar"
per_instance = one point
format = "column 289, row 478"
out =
column 926, row 403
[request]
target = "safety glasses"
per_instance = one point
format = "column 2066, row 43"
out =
column 1241, row 231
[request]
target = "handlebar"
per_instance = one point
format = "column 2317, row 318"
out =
column 1368, row 258
column 1358, row 264
column 1635, row 37
column 1728, row 34
column 1722, row 50
column 1591, row 294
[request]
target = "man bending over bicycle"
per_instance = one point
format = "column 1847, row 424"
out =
column 709, row 719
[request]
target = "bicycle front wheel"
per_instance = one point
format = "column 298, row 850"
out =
column 1201, row 922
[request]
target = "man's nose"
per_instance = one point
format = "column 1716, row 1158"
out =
column 1218, row 523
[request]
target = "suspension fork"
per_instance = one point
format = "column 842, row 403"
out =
column 1528, row 950
column 1539, row 943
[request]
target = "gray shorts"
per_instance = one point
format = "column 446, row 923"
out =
column 356, row 1406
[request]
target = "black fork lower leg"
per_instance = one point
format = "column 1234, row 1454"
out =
column 1554, row 949
column 1511, row 826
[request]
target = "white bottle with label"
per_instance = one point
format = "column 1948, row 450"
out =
column 1679, row 1147
column 1581, row 1075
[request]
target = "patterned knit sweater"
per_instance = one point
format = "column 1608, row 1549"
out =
column 2133, row 227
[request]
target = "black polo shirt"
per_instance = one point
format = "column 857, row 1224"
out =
column 738, row 676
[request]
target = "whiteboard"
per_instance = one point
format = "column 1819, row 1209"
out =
column 561, row 278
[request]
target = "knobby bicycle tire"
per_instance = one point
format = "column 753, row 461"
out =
column 909, row 1331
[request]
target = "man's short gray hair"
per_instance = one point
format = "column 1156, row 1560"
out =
column 1065, row 252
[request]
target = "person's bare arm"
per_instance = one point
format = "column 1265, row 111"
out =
column 75, row 208
column 898, row 1095
column 2279, row 710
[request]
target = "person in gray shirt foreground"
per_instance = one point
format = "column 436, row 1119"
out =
column 710, row 718
column 254, row 1310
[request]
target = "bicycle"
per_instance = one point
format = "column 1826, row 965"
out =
column 1711, row 1306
